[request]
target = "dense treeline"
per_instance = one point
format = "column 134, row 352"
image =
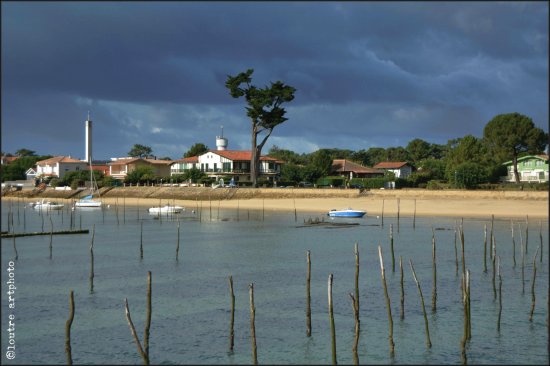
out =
column 464, row 162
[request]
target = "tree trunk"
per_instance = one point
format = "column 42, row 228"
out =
column 516, row 173
column 253, row 171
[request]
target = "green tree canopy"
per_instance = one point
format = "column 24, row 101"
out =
column 508, row 136
column 321, row 160
column 288, row 156
column 140, row 151
column 197, row 149
column 140, row 174
column 264, row 110
column 25, row 152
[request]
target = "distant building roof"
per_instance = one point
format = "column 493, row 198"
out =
column 133, row 160
column 192, row 159
column 390, row 164
column 526, row 157
column 59, row 159
column 343, row 165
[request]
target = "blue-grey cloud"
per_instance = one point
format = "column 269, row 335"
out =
column 366, row 73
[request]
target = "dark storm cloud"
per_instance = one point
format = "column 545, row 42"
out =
column 367, row 73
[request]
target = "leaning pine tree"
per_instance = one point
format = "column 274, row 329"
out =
column 264, row 110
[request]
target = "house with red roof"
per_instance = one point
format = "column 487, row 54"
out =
column 228, row 164
column 350, row 170
column 58, row 166
column 120, row 167
column 401, row 169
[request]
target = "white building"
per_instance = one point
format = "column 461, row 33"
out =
column 401, row 169
column 58, row 166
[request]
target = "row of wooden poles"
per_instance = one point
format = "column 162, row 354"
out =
column 143, row 349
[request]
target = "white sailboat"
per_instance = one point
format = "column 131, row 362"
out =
column 89, row 201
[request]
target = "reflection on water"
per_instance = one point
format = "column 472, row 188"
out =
column 191, row 303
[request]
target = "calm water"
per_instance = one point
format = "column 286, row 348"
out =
column 191, row 302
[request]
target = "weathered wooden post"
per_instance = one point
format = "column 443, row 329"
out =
column 141, row 242
column 428, row 341
column 485, row 248
column 540, row 235
column 402, row 312
column 434, row 272
column 356, row 250
column 148, row 317
column 252, row 324
column 456, row 253
column 513, row 243
column 142, row 353
column 526, row 233
column 15, row 248
column 522, row 261
column 92, row 261
column 331, row 317
column 354, row 304
column 533, row 286
column 388, row 305
column 178, row 242
column 308, row 294
column 398, row 209
column 494, row 251
column 499, row 294
column 391, row 248
column 231, row 325
column 51, row 238
column 68, row 325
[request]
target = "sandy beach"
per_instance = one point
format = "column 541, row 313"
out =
column 409, row 202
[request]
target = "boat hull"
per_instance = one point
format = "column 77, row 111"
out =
column 87, row 203
column 166, row 210
column 347, row 213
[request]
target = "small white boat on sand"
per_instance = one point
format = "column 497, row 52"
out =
column 348, row 212
column 47, row 205
column 166, row 209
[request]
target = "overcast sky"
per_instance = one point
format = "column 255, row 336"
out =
column 367, row 74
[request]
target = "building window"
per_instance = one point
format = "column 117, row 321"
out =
column 215, row 167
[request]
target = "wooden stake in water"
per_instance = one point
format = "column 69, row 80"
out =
column 92, row 261
column 252, row 325
column 354, row 304
column 178, row 242
column 398, row 209
column 428, row 341
column 533, row 286
column 540, row 235
column 51, row 237
column 402, row 313
column 522, row 262
column 485, row 248
column 231, row 325
column 456, row 252
column 391, row 248
column 141, row 242
column 134, row 334
column 434, row 271
column 513, row 243
column 356, row 250
column 295, row 213
column 308, row 294
column 492, row 234
column 148, row 317
column 388, row 305
column 331, row 317
column 526, row 232
column 499, row 294
column 494, row 250
column 68, row 325
column 15, row 249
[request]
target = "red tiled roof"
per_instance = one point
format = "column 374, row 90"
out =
column 192, row 159
column 390, row 164
column 59, row 159
column 239, row 155
column 343, row 165
column 133, row 160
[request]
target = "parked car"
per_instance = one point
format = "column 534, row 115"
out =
column 305, row 184
column 356, row 185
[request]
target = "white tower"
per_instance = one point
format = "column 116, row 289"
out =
column 221, row 142
column 88, row 139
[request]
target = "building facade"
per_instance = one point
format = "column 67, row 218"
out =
column 58, row 166
column 531, row 168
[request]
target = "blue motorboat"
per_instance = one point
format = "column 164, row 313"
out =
column 346, row 213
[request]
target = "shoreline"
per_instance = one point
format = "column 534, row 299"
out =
column 421, row 203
